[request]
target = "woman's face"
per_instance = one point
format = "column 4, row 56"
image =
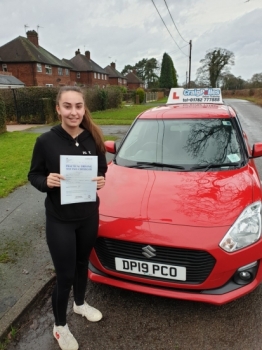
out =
column 71, row 108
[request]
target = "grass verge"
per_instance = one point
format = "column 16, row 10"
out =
column 124, row 115
column 16, row 153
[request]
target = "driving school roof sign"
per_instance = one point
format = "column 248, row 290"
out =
column 205, row 95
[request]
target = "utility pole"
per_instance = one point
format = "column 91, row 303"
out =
column 189, row 74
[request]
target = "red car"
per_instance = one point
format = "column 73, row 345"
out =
column 180, row 214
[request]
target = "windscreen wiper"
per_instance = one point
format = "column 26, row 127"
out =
column 215, row 165
column 155, row 164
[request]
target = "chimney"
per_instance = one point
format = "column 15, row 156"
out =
column 33, row 37
column 134, row 71
column 87, row 54
column 113, row 65
column 77, row 52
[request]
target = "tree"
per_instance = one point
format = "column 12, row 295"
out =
column 146, row 69
column 127, row 69
column 230, row 82
column 214, row 64
column 256, row 80
column 168, row 75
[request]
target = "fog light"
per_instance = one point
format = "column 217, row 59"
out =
column 246, row 274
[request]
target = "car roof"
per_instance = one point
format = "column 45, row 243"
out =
column 189, row 111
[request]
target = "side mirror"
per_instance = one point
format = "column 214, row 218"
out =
column 257, row 150
column 110, row 146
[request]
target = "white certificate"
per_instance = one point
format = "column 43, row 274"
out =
column 78, row 172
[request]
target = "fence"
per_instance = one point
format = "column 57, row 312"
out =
column 151, row 96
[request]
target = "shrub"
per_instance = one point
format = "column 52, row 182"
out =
column 2, row 116
column 141, row 93
column 103, row 99
column 37, row 104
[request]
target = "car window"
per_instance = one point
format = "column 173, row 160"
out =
column 186, row 142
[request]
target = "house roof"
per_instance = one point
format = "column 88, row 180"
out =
column 81, row 63
column 133, row 78
column 113, row 73
column 22, row 49
column 9, row 80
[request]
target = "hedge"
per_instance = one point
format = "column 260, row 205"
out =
column 2, row 116
column 38, row 100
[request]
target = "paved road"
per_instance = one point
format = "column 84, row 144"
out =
column 134, row 321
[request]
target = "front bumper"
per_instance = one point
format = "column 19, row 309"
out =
column 217, row 296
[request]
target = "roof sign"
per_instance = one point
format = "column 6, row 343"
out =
column 203, row 95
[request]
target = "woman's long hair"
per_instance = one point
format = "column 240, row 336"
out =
column 87, row 122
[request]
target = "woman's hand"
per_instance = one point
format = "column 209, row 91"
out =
column 100, row 181
column 53, row 180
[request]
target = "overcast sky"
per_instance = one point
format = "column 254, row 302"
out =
column 126, row 31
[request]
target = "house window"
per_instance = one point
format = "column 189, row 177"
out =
column 105, row 77
column 66, row 71
column 39, row 67
column 98, row 75
column 102, row 76
column 78, row 75
column 49, row 85
column 48, row 69
column 95, row 75
column 4, row 67
column 60, row 71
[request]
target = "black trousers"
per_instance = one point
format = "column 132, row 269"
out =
column 70, row 244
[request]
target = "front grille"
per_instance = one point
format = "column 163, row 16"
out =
column 198, row 263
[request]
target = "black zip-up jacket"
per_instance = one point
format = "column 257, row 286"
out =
column 46, row 159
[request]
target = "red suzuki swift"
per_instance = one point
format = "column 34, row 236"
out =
column 180, row 214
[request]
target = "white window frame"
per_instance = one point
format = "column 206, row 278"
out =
column 95, row 75
column 4, row 67
column 39, row 67
column 66, row 71
column 105, row 77
column 48, row 69
column 78, row 75
column 60, row 71
column 98, row 75
column 49, row 85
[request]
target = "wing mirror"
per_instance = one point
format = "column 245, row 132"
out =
column 110, row 146
column 257, row 150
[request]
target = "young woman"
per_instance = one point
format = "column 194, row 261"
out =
column 71, row 229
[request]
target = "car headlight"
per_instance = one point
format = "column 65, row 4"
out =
column 245, row 231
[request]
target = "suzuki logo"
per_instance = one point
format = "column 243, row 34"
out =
column 148, row 251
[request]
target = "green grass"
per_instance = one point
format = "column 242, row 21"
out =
column 122, row 116
column 5, row 258
column 11, row 336
column 16, row 152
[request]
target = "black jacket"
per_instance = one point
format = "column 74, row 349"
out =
column 46, row 159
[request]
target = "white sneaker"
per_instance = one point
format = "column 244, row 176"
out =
column 65, row 338
column 88, row 311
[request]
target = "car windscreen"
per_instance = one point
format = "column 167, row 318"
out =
column 183, row 142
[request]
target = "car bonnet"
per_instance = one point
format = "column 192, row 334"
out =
column 214, row 198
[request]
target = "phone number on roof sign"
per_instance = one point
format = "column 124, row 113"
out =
column 203, row 99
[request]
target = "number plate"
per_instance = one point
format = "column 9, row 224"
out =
column 147, row 268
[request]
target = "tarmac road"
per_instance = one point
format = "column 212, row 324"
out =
column 134, row 321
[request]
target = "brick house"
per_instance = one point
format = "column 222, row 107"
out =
column 32, row 64
column 85, row 71
column 133, row 81
column 115, row 77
